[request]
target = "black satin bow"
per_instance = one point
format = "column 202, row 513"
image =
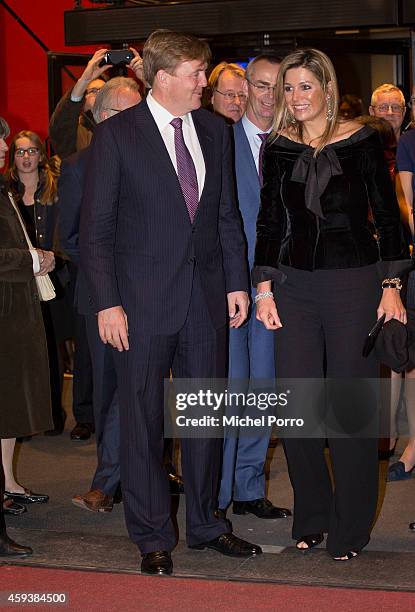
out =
column 316, row 172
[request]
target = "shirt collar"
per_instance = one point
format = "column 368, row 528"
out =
column 251, row 129
column 161, row 115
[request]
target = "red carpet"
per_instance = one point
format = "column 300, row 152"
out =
column 124, row 592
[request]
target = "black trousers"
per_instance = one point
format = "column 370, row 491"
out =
column 196, row 350
column 326, row 315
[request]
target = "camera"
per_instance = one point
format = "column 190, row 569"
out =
column 117, row 57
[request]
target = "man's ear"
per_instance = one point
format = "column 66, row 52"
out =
column 162, row 78
column 371, row 111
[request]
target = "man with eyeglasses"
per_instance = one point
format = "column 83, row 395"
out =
column 251, row 346
column 228, row 89
column 388, row 102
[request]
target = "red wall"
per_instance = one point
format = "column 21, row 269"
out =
column 23, row 63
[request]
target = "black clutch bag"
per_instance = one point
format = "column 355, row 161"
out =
column 372, row 336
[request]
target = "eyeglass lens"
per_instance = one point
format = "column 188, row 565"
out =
column 384, row 108
column 230, row 95
column 30, row 151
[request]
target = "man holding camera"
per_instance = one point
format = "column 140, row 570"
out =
column 72, row 123
column 71, row 128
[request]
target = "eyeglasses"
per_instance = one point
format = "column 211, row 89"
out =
column 384, row 108
column 92, row 90
column 31, row 151
column 230, row 96
column 262, row 88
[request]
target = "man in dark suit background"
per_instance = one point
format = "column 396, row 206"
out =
column 163, row 252
column 251, row 346
column 115, row 96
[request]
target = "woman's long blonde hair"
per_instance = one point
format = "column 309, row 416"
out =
column 320, row 65
column 49, row 168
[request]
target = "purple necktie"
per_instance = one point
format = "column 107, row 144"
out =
column 186, row 170
column 263, row 136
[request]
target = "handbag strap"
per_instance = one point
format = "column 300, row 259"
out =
column 19, row 216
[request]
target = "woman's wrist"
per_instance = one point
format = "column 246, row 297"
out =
column 262, row 295
column 392, row 283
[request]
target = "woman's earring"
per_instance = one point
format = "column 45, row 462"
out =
column 291, row 118
column 330, row 109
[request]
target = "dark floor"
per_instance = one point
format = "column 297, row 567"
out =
column 63, row 535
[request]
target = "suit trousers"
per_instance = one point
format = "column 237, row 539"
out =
column 82, row 402
column 82, row 405
column 197, row 350
column 326, row 315
column 251, row 357
column 106, row 411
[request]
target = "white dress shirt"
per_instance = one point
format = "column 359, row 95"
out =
column 162, row 117
column 254, row 140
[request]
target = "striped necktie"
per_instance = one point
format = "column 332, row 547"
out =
column 186, row 170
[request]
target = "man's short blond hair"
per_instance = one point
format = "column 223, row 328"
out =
column 385, row 89
column 218, row 70
column 165, row 50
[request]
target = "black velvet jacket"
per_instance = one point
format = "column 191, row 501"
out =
column 314, row 212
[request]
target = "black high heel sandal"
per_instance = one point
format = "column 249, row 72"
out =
column 312, row 540
column 352, row 554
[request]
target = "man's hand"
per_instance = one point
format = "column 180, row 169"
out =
column 136, row 65
column 91, row 72
column 238, row 302
column 46, row 262
column 113, row 327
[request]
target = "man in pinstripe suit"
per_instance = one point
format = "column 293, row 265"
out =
column 163, row 252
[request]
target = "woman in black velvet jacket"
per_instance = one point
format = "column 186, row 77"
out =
column 315, row 244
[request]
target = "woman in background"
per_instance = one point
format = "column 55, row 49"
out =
column 24, row 376
column 33, row 180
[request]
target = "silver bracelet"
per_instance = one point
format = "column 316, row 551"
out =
column 262, row 295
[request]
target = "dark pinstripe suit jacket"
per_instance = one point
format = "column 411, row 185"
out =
column 138, row 247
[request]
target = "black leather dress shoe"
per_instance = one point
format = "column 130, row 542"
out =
column 28, row 497
column 176, row 483
column 82, row 431
column 157, row 563
column 262, row 508
column 10, row 548
column 228, row 544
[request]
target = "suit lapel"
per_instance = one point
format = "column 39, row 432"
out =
column 206, row 144
column 246, row 153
